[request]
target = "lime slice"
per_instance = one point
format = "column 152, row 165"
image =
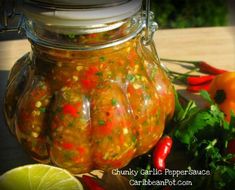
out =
column 39, row 177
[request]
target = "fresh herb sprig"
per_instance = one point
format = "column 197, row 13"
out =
column 204, row 133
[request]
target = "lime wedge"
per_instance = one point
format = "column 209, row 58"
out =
column 39, row 177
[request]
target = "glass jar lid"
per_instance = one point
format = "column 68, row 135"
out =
column 80, row 13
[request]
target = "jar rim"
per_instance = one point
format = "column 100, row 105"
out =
column 75, row 4
column 43, row 36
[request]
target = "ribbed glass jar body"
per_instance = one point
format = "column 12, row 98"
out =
column 85, row 101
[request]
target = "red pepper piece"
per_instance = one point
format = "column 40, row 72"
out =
column 67, row 146
column 92, row 35
column 91, row 183
column 107, row 128
column 132, row 90
column 70, row 109
column 81, row 149
column 198, row 80
column 88, row 84
column 161, row 151
column 206, row 68
column 89, row 79
column 197, row 88
column 132, row 57
column 92, row 70
column 121, row 139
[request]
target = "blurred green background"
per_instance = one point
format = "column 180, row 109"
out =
column 169, row 14
column 190, row 13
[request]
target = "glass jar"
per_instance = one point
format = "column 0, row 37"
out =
column 91, row 94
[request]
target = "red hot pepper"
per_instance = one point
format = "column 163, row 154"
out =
column 197, row 88
column 206, row 68
column 161, row 151
column 198, row 80
column 91, row 183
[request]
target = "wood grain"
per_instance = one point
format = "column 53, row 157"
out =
column 12, row 50
column 215, row 45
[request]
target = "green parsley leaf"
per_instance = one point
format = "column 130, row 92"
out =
column 114, row 102
column 71, row 36
column 205, row 95
column 130, row 77
column 100, row 74
column 102, row 58
column 101, row 122
column 42, row 109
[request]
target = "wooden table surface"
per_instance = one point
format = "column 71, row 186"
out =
column 216, row 45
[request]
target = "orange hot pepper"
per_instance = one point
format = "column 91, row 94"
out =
column 222, row 91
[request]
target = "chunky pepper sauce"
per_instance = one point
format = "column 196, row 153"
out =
column 84, row 110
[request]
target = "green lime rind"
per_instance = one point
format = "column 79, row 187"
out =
column 39, row 177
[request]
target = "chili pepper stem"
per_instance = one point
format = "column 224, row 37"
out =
column 189, row 72
column 148, row 167
column 201, row 65
column 180, row 61
column 93, row 175
column 182, row 76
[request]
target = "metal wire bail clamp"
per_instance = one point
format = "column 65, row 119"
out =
column 150, row 25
